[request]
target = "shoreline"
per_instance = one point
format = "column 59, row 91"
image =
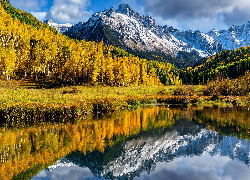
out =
column 22, row 106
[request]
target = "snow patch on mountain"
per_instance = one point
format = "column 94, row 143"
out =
column 142, row 33
column 233, row 38
column 59, row 27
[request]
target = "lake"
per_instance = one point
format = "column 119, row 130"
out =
column 149, row 143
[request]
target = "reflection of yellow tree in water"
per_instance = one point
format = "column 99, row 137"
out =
column 223, row 120
column 24, row 148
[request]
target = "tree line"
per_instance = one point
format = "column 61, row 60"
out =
column 32, row 50
column 226, row 64
column 39, row 54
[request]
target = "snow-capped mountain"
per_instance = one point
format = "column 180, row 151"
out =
column 59, row 27
column 126, row 29
column 234, row 37
column 129, row 30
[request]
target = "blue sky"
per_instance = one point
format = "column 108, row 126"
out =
column 201, row 15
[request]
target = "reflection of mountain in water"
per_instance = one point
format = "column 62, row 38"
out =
column 185, row 138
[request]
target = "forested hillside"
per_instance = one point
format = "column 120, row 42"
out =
column 141, row 36
column 34, row 51
column 25, row 17
column 226, row 64
column 39, row 54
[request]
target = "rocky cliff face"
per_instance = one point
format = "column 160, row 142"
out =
column 136, row 32
column 125, row 28
column 234, row 37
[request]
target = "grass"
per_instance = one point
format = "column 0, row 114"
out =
column 13, row 95
column 25, row 103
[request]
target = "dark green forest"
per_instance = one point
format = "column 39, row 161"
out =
column 226, row 64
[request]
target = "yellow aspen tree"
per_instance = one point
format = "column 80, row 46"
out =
column 68, row 63
column 135, row 73
column 63, row 57
column 95, row 65
column 89, row 62
column 23, row 51
column 109, row 74
column 77, row 59
column 82, row 61
column 125, row 73
column 152, row 76
column 53, row 55
column 74, row 61
column 103, row 64
column 46, row 55
column 103, row 69
column 9, row 62
column 118, row 79
column 143, row 73
column 57, row 65
column 2, row 61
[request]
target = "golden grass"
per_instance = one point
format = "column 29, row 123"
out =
column 27, row 103
column 20, row 94
column 16, row 95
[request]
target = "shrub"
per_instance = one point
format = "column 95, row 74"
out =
column 184, row 90
column 238, row 87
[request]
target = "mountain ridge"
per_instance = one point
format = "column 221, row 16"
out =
column 141, row 33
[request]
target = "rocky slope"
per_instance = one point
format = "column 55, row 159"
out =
column 234, row 37
column 125, row 28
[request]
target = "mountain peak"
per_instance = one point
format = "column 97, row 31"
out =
column 125, row 9
column 125, row 28
column 48, row 21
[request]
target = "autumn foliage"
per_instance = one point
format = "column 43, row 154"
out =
column 226, row 64
column 39, row 54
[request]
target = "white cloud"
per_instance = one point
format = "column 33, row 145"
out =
column 197, row 168
column 39, row 15
column 200, row 20
column 71, row 172
column 28, row 5
column 207, row 24
column 238, row 14
column 195, row 15
column 203, row 15
column 186, row 9
column 71, row 11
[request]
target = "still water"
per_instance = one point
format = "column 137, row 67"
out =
column 149, row 143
